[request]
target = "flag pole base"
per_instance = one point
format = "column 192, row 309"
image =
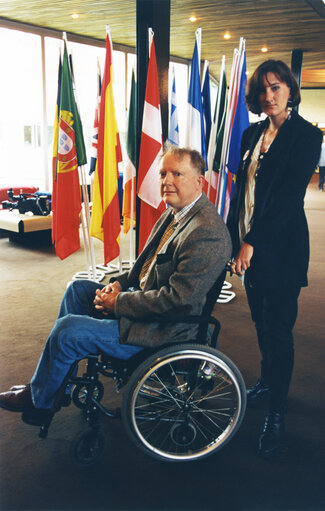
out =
column 225, row 295
column 107, row 269
column 113, row 268
column 88, row 275
column 129, row 263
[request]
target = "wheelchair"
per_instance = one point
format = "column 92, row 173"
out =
column 181, row 402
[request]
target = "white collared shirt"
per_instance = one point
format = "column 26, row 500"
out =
column 180, row 214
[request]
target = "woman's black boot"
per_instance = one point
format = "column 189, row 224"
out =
column 272, row 442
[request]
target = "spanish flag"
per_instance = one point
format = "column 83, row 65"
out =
column 105, row 217
column 68, row 153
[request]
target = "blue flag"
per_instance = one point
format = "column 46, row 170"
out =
column 173, row 134
column 195, row 126
column 241, row 122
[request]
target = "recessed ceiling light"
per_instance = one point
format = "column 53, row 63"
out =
column 264, row 49
column 75, row 16
column 193, row 18
column 227, row 35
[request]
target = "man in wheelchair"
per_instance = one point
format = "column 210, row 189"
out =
column 187, row 249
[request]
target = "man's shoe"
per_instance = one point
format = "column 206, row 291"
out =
column 17, row 400
column 65, row 400
column 272, row 443
column 258, row 393
column 18, row 387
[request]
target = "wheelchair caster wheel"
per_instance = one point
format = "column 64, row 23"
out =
column 88, row 448
column 80, row 393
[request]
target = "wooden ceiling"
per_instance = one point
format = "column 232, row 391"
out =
column 280, row 25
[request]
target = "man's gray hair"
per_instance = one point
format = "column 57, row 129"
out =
column 197, row 161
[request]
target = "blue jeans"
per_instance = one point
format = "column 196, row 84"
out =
column 80, row 330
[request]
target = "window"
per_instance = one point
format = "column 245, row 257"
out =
column 21, row 109
column 28, row 100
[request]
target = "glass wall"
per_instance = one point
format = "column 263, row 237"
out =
column 21, row 109
column 29, row 81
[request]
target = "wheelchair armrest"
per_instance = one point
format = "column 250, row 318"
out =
column 195, row 319
column 178, row 319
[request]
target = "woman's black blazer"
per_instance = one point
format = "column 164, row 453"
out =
column 279, row 231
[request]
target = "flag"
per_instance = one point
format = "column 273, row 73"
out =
column 241, row 122
column 238, row 121
column 173, row 135
column 151, row 146
column 55, row 150
column 94, row 138
column 206, row 105
column 217, row 134
column 69, row 144
column 195, row 138
column 129, row 176
column 105, row 217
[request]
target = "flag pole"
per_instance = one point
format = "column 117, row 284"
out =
column 215, row 127
column 225, row 144
column 96, row 228
column 85, row 212
column 132, row 260
column 198, row 35
column 131, row 226
column 119, row 266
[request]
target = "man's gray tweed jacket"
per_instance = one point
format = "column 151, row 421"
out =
column 178, row 282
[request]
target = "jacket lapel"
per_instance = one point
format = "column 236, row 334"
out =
column 184, row 222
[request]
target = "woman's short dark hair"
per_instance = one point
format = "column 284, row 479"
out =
column 256, row 85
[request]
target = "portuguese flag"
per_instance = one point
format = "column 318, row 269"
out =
column 68, row 153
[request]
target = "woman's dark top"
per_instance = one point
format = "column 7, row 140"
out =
column 278, row 230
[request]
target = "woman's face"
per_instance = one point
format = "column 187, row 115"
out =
column 274, row 96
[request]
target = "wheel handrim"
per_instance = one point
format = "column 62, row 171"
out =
column 208, row 405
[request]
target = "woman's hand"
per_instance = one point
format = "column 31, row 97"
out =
column 243, row 259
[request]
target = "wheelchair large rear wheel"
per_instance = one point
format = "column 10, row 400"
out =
column 184, row 403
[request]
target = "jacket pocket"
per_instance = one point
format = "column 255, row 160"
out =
column 163, row 269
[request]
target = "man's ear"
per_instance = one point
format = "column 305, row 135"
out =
column 201, row 180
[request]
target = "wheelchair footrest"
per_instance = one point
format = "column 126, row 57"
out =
column 42, row 418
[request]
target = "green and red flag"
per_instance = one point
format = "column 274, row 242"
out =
column 68, row 153
column 129, row 176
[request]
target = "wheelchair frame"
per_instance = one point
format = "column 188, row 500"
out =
column 181, row 402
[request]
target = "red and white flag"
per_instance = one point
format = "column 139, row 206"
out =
column 150, row 152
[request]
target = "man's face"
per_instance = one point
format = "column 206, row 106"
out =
column 180, row 183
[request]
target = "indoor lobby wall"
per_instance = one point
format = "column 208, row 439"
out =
column 312, row 106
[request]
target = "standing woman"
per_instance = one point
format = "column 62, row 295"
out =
column 270, row 233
